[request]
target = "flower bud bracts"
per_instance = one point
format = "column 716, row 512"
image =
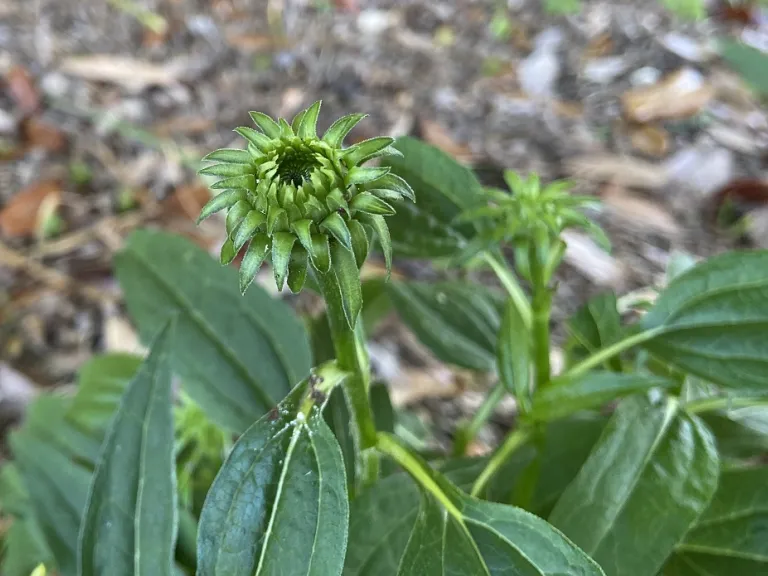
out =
column 292, row 196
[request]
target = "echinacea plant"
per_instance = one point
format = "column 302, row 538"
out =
column 643, row 455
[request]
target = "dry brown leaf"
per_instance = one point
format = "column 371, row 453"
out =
column 40, row 134
column 599, row 46
column 435, row 134
column 187, row 124
column 679, row 95
column 188, row 200
column 121, row 70
column 650, row 140
column 572, row 110
column 622, row 170
column 22, row 88
column 19, row 217
column 640, row 212
column 253, row 42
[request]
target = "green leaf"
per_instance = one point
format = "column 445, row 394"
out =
column 57, row 489
column 381, row 229
column 359, row 175
column 237, row 355
column 226, row 199
column 282, row 244
column 595, row 325
column 129, row 523
column 348, row 276
column 740, row 432
column 24, row 548
column 729, row 538
column 749, row 62
column 711, row 321
column 100, row 385
column 252, row 261
column 279, row 504
column 592, row 390
column 653, row 471
column 370, row 204
column 443, row 189
column 458, row 322
column 452, row 533
column 513, row 354
column 259, row 140
column 360, row 244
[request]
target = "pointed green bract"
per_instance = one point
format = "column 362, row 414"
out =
column 348, row 276
column 308, row 125
column 253, row 259
column 335, row 135
column 228, row 170
column 335, row 202
column 321, row 252
column 335, row 225
column 259, row 140
column 379, row 226
column 231, row 155
column 246, row 182
column 302, row 230
column 360, row 244
column 367, row 202
column 296, row 122
column 366, row 149
column 236, row 215
column 270, row 128
column 297, row 269
column 282, row 244
column 358, row 175
column 227, row 253
column 221, row 201
column 247, row 228
column 394, row 183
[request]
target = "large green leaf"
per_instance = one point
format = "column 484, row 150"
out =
column 58, row 489
column 513, row 355
column 458, row 322
column 279, row 504
column 729, row 538
column 129, row 523
column 393, row 531
column 591, row 390
column 238, row 355
column 740, row 432
column 711, row 321
column 444, row 188
column 650, row 476
column 101, row 383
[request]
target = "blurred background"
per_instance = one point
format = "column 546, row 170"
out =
column 106, row 107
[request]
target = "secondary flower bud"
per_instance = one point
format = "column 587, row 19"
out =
column 292, row 195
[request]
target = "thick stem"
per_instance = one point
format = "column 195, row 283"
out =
column 466, row 434
column 512, row 442
column 352, row 357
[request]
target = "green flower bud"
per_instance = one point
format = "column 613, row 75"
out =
column 531, row 215
column 293, row 196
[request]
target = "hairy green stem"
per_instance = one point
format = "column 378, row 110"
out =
column 466, row 434
column 515, row 291
column 352, row 357
column 605, row 354
column 512, row 442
